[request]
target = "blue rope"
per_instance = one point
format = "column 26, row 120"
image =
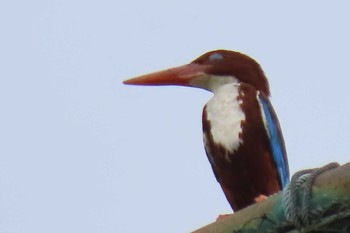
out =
column 302, row 182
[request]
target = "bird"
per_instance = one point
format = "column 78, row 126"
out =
column 242, row 136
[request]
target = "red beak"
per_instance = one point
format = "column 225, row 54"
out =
column 181, row 76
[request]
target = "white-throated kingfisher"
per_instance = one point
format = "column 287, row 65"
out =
column 242, row 136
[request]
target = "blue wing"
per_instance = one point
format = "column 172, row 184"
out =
column 276, row 139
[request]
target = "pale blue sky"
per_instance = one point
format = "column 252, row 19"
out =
column 80, row 152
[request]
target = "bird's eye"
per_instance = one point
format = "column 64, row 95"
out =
column 216, row 57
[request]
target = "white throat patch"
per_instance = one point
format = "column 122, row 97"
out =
column 212, row 82
column 225, row 116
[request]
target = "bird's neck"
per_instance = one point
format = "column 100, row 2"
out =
column 225, row 115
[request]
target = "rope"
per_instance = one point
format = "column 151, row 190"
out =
column 302, row 182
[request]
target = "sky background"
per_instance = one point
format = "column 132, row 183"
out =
column 81, row 152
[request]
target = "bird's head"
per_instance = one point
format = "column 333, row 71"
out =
column 210, row 71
